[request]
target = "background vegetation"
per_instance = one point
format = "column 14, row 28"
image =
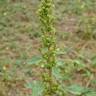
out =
column 20, row 40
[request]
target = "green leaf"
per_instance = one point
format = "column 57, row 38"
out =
column 77, row 89
column 34, row 60
column 91, row 94
column 36, row 87
column 56, row 73
column 79, row 64
column 60, row 63
column 18, row 62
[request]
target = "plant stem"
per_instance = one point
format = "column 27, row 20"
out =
column 48, row 50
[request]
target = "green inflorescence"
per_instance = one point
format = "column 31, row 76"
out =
column 48, row 49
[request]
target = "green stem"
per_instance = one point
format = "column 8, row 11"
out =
column 48, row 43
